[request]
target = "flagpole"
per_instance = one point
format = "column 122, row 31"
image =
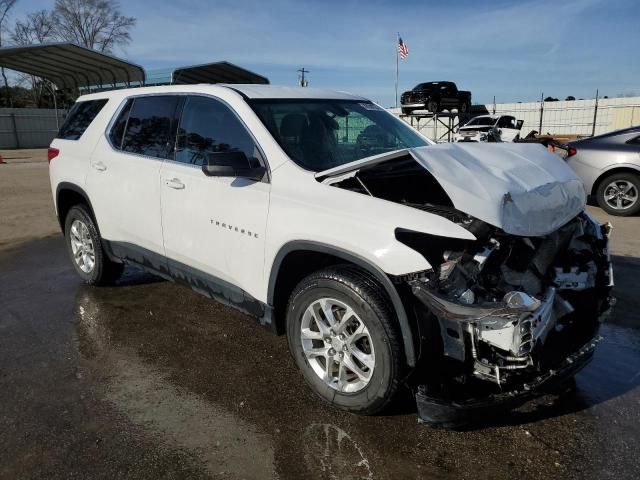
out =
column 397, row 43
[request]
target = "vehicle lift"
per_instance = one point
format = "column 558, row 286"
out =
column 452, row 120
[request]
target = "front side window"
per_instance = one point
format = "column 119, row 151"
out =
column 79, row 118
column 634, row 141
column 209, row 126
column 321, row 134
column 149, row 126
column 507, row 122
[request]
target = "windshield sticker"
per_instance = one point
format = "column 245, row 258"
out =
column 370, row 106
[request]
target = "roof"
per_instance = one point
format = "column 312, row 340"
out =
column 282, row 92
column 69, row 65
column 613, row 135
column 218, row 72
column 248, row 91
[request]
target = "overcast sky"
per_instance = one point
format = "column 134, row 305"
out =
column 513, row 50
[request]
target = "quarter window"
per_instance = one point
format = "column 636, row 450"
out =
column 209, row 126
column 79, row 118
column 149, row 125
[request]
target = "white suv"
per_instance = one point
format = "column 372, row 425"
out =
column 467, row 272
column 486, row 128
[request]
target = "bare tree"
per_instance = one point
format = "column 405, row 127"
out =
column 5, row 7
column 38, row 27
column 95, row 24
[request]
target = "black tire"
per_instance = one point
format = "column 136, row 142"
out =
column 406, row 111
column 602, row 192
column 433, row 106
column 365, row 296
column 464, row 107
column 104, row 271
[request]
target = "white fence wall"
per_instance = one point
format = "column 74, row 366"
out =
column 559, row 118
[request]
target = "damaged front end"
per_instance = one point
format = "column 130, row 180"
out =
column 517, row 307
column 512, row 314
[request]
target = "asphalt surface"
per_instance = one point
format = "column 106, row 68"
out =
column 147, row 379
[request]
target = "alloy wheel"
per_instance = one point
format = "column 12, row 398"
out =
column 621, row 194
column 82, row 246
column 337, row 345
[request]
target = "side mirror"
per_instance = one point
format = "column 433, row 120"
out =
column 231, row 164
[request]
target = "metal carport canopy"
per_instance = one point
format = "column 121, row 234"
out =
column 218, row 72
column 69, row 65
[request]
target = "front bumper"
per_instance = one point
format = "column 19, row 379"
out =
column 450, row 414
column 470, row 137
column 502, row 353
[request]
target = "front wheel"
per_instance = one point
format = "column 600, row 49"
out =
column 619, row 194
column 433, row 106
column 464, row 107
column 343, row 338
column 85, row 249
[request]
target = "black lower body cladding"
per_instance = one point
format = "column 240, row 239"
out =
column 504, row 327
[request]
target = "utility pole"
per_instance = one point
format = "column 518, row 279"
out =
column 541, row 112
column 595, row 115
column 302, row 82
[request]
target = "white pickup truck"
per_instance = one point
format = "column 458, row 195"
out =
column 487, row 128
column 470, row 273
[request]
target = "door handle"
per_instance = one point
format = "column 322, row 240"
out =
column 101, row 167
column 174, row 183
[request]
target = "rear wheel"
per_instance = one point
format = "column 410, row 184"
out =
column 464, row 107
column 85, row 249
column 342, row 336
column 619, row 194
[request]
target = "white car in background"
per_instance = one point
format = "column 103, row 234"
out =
column 470, row 273
column 487, row 128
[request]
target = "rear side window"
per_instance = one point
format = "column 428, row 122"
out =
column 117, row 130
column 79, row 118
column 146, row 125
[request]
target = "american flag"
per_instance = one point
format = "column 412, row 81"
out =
column 403, row 50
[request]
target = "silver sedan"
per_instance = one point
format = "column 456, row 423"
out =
column 609, row 166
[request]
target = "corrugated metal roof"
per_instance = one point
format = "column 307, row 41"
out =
column 69, row 65
column 218, row 72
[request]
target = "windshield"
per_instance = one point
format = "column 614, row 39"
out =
column 423, row 86
column 322, row 134
column 481, row 122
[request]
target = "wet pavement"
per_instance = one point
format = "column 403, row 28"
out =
column 150, row 380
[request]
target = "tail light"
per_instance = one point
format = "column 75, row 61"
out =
column 52, row 153
column 571, row 151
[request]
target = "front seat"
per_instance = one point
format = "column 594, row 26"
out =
column 319, row 142
column 291, row 128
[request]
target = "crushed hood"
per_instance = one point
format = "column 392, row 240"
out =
column 521, row 188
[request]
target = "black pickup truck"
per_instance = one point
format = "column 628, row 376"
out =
column 435, row 97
